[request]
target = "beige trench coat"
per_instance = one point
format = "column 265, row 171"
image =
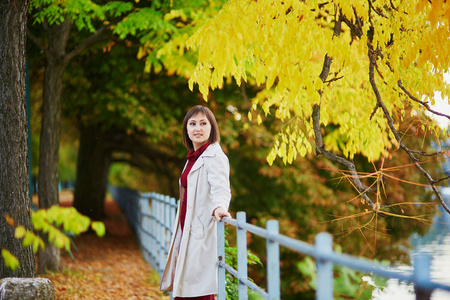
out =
column 191, row 268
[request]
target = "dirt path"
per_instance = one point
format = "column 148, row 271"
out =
column 110, row 267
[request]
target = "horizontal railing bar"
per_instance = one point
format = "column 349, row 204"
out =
column 435, row 285
column 365, row 266
column 337, row 258
column 340, row 259
column 248, row 283
column 153, row 198
column 249, row 227
column 349, row 261
column 293, row 244
column 157, row 221
column 158, row 242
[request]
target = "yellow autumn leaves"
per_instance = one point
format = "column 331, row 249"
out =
column 281, row 45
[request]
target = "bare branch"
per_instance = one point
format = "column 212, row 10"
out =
column 333, row 79
column 442, row 179
column 392, row 5
column 376, row 11
column 362, row 189
column 374, row 111
column 423, row 103
column 426, row 154
column 320, row 148
column 323, row 4
column 372, row 60
column 400, row 85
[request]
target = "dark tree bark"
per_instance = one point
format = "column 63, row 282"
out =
column 93, row 163
column 57, row 59
column 49, row 258
column 51, row 115
column 99, row 148
column 14, row 179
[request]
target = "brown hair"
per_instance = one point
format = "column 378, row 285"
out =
column 213, row 137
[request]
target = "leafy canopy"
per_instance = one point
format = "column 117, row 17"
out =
column 82, row 13
column 281, row 45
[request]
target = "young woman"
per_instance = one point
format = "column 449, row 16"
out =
column 191, row 268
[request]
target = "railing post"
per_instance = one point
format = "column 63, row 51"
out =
column 241, row 236
column 324, row 285
column 273, row 261
column 221, row 257
column 141, row 219
column 422, row 276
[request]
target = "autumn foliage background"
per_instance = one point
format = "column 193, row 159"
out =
column 323, row 109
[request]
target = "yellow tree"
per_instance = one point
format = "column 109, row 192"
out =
column 340, row 74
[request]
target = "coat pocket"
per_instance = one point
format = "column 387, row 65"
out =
column 201, row 225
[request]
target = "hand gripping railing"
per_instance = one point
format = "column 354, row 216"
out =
column 324, row 255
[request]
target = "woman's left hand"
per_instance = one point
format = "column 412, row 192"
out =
column 220, row 212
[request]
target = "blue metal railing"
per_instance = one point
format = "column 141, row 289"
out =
column 157, row 216
column 152, row 216
column 324, row 255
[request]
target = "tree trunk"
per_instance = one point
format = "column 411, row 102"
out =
column 92, row 172
column 58, row 35
column 14, row 168
column 51, row 115
column 49, row 258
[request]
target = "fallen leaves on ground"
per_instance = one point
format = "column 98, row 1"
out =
column 111, row 267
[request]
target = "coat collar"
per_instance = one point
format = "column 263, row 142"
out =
column 211, row 151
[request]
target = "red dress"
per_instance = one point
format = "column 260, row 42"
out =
column 192, row 158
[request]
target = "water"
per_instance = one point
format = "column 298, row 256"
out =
column 435, row 243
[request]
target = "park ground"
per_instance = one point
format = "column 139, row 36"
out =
column 110, row 267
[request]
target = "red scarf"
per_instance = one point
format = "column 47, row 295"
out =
column 192, row 158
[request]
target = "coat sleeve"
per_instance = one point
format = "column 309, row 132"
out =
column 218, row 172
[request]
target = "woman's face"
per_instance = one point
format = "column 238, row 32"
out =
column 198, row 130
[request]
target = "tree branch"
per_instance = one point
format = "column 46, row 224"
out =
column 376, row 11
column 320, row 147
column 362, row 189
column 372, row 60
column 333, row 79
column 392, row 5
column 423, row 103
column 135, row 145
column 98, row 36
column 426, row 154
column 442, row 179
column 36, row 41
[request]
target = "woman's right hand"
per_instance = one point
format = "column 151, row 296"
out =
column 220, row 212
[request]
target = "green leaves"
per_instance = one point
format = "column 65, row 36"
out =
column 66, row 218
column 29, row 238
column 99, row 228
column 82, row 13
column 58, row 222
column 144, row 19
column 10, row 260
